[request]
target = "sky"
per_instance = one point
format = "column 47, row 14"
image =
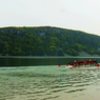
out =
column 81, row 15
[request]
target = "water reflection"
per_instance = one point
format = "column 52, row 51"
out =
column 33, row 61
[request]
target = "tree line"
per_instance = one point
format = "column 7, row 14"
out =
column 46, row 41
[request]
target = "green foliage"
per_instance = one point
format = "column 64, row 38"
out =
column 46, row 41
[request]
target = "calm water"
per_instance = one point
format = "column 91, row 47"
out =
column 49, row 83
column 33, row 61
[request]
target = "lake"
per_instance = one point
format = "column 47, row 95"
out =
column 35, row 61
column 49, row 82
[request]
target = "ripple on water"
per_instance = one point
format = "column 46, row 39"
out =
column 50, row 98
column 45, row 86
column 75, row 90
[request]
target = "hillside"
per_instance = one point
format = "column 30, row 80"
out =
column 47, row 41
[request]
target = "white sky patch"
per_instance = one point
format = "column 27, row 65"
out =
column 74, row 14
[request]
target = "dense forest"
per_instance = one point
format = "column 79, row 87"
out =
column 47, row 41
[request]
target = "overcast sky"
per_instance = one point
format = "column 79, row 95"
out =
column 74, row 14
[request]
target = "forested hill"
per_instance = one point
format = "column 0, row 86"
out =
column 47, row 41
